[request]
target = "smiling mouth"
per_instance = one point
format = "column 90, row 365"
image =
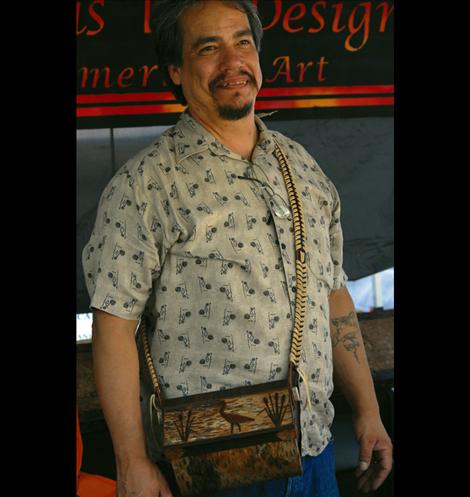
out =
column 233, row 84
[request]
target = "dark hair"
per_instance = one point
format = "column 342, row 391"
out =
column 168, row 39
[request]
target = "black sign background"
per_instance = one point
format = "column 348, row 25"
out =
column 348, row 61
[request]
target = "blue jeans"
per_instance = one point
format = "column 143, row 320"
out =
column 318, row 480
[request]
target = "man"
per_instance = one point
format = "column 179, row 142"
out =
column 209, row 255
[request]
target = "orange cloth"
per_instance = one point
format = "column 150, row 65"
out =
column 95, row 486
column 91, row 485
column 79, row 447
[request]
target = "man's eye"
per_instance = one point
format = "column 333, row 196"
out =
column 245, row 42
column 208, row 49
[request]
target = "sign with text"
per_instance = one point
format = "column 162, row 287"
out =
column 318, row 57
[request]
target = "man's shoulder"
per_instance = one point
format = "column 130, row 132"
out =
column 154, row 159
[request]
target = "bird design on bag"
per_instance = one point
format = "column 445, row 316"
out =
column 232, row 418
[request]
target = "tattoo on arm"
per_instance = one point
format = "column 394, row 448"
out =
column 343, row 334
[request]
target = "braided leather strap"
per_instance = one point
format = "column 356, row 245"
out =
column 149, row 361
column 300, row 266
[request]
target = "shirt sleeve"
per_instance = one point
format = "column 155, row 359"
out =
column 124, row 255
column 336, row 241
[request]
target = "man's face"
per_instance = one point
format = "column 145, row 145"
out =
column 220, row 74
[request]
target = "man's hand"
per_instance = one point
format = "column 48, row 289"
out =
column 375, row 454
column 140, row 477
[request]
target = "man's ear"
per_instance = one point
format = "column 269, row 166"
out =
column 175, row 74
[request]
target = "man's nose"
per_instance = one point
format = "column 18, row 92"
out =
column 231, row 59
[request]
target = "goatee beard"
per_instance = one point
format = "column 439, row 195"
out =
column 229, row 112
column 234, row 113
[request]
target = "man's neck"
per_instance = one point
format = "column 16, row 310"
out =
column 240, row 136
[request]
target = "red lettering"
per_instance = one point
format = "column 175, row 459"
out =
column 277, row 11
column 387, row 10
column 122, row 75
column 94, row 15
column 318, row 17
column 320, row 69
column 147, row 73
column 350, row 23
column 147, row 29
column 284, row 69
column 77, row 18
column 339, row 10
column 287, row 18
column 364, row 23
column 96, row 77
column 103, row 77
column 302, row 68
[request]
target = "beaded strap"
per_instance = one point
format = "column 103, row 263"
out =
column 300, row 266
column 148, row 359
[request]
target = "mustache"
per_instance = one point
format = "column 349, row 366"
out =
column 213, row 84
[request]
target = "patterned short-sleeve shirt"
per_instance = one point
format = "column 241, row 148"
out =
column 180, row 235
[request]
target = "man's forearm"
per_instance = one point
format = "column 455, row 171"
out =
column 116, row 369
column 350, row 366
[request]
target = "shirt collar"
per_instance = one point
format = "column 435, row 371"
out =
column 192, row 138
column 266, row 138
